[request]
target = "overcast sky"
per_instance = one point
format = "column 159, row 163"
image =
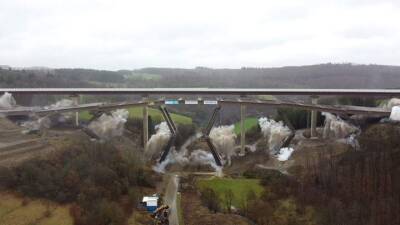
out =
column 119, row 34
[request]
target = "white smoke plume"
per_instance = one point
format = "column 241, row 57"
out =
column 337, row 128
column 61, row 103
column 391, row 103
column 201, row 157
column 395, row 114
column 275, row 132
column 353, row 142
column 62, row 118
column 36, row 125
column 284, row 154
column 108, row 126
column 158, row 140
column 7, row 101
column 196, row 157
column 183, row 158
column 223, row 137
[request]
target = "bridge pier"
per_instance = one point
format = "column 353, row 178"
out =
column 242, row 129
column 207, row 138
column 314, row 100
column 75, row 99
column 145, row 112
column 327, row 129
column 172, row 128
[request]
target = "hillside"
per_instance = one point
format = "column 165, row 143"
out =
column 313, row 76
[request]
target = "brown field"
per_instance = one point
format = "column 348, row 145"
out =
column 15, row 210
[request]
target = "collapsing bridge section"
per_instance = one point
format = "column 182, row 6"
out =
column 174, row 131
column 337, row 109
column 102, row 107
column 207, row 138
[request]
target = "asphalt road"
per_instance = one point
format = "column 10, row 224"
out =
column 170, row 197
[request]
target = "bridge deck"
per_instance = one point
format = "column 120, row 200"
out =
column 203, row 91
column 339, row 109
column 91, row 106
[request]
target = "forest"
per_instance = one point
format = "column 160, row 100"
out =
column 313, row 76
column 352, row 188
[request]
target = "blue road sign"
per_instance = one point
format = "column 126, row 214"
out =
column 171, row 102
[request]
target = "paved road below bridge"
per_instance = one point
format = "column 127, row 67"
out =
column 170, row 197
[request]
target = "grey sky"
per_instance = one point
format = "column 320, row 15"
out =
column 126, row 34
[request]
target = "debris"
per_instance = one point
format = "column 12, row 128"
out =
column 395, row 114
column 275, row 132
column 7, row 101
column 284, row 154
column 108, row 126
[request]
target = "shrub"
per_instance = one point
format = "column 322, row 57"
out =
column 210, row 199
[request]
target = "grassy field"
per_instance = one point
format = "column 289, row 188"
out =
column 248, row 124
column 136, row 112
column 13, row 211
column 239, row 187
column 143, row 76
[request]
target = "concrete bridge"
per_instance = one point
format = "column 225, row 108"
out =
column 204, row 91
column 241, row 100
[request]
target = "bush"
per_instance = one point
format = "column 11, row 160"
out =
column 260, row 212
column 109, row 213
column 8, row 177
column 210, row 199
column 101, row 212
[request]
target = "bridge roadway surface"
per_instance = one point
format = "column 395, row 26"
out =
column 204, row 91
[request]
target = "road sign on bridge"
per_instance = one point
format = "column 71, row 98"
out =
column 210, row 102
column 191, row 102
column 171, row 102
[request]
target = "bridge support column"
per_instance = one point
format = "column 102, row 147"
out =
column 145, row 123
column 314, row 100
column 207, row 138
column 327, row 129
column 75, row 99
column 242, row 129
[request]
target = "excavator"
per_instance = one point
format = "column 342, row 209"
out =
column 161, row 215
